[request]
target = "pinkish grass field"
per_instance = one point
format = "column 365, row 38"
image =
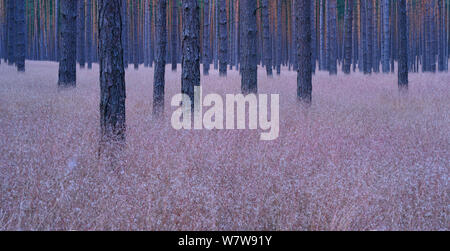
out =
column 362, row 157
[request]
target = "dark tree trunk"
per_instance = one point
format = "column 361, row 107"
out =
column 190, row 76
column 249, row 83
column 81, row 34
column 223, row 34
column 355, row 34
column 304, row 74
column 124, row 32
column 160, row 60
column 332, row 38
column 403, row 46
column 68, row 60
column 279, row 37
column 386, row 35
column 369, row 22
column 266, row 34
column 313, row 36
column 348, row 36
column 89, row 34
column 206, row 37
column 11, row 32
column 322, row 59
column 112, row 73
column 174, row 40
column 20, row 27
column 136, row 34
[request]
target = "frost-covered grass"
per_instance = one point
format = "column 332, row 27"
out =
column 361, row 158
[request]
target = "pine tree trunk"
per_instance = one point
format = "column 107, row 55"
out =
column 20, row 27
column 206, row 37
column 322, row 62
column 386, row 41
column 11, row 32
column 89, row 34
column 331, row 43
column 348, row 36
column 369, row 23
column 135, row 34
column 403, row 46
column 112, row 73
column 124, row 32
column 160, row 60
column 82, row 34
column 174, row 37
column 279, row 37
column 266, row 34
column 304, row 74
column 355, row 34
column 223, row 46
column 190, row 76
column 313, row 36
column 68, row 60
column 249, row 42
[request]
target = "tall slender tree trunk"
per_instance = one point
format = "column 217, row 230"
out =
column 160, row 60
column 355, row 34
column 112, row 73
column 89, row 34
column 313, row 36
column 68, row 60
column 304, row 74
column 20, row 27
column 403, row 46
column 190, row 76
column 249, row 82
column 386, row 40
column 206, row 37
column 322, row 62
column 174, row 36
column 223, row 34
column 82, row 34
column 332, row 38
column 279, row 37
column 266, row 35
column 11, row 31
column 348, row 36
column 136, row 34
column 369, row 23
column 124, row 32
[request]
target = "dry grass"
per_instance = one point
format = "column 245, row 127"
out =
column 362, row 158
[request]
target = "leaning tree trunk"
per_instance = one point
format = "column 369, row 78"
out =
column 403, row 46
column 348, row 36
column 68, row 57
column 266, row 36
column 112, row 73
column 174, row 37
column 81, row 34
column 190, row 76
column 304, row 74
column 160, row 60
column 20, row 35
column 249, row 62
column 223, row 47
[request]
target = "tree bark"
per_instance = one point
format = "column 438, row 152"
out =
column 266, row 34
column 304, row 74
column 112, row 73
column 249, row 62
column 68, row 60
column 20, row 35
column 174, row 37
column 82, row 34
column 11, row 32
column 206, row 37
column 403, row 46
column 223, row 34
column 348, row 36
column 386, row 40
column 160, row 60
column 279, row 37
column 89, row 35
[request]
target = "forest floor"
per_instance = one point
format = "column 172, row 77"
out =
column 363, row 157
